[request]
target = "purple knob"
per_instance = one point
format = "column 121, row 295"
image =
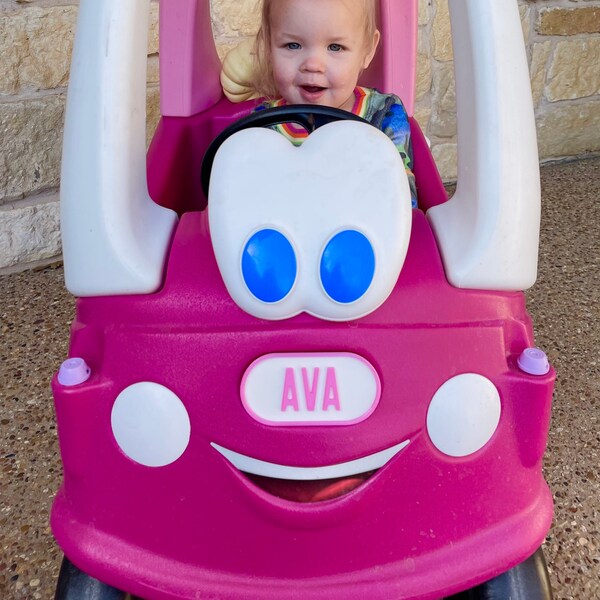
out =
column 533, row 361
column 73, row 372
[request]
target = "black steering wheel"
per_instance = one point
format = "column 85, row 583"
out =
column 308, row 116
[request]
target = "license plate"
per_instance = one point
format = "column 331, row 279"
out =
column 310, row 389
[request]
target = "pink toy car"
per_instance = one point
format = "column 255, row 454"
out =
column 306, row 391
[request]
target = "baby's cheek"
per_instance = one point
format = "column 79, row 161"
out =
column 282, row 73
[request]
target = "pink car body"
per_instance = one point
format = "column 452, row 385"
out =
column 424, row 525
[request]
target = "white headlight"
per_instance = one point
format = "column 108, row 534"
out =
column 150, row 424
column 464, row 414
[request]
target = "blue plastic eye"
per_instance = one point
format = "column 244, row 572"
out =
column 269, row 265
column 347, row 266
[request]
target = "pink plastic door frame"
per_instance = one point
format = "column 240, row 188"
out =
column 190, row 66
column 394, row 68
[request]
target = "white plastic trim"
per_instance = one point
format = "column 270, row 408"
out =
column 488, row 232
column 115, row 239
column 150, row 424
column 346, row 175
column 464, row 414
column 324, row 388
column 254, row 466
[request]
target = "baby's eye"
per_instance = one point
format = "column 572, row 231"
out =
column 293, row 46
column 335, row 47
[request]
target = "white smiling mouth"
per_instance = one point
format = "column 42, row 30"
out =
column 253, row 466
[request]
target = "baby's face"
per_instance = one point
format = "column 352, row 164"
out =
column 318, row 50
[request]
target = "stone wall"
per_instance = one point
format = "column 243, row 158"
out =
column 563, row 43
column 563, row 46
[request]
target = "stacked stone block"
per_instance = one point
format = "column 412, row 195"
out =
column 36, row 36
column 36, row 39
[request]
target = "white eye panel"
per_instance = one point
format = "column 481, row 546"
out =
column 464, row 414
column 346, row 176
column 150, row 424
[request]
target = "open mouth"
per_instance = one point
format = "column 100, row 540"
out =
column 312, row 93
column 310, row 484
column 313, row 89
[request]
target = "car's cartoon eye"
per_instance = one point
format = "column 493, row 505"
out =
column 322, row 228
column 269, row 265
column 347, row 266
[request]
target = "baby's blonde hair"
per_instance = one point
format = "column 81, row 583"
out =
column 264, row 82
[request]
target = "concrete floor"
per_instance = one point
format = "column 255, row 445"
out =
column 35, row 312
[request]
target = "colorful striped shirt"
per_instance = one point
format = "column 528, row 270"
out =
column 384, row 111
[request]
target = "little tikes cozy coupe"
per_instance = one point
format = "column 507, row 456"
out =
column 307, row 390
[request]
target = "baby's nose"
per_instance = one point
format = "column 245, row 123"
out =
column 313, row 63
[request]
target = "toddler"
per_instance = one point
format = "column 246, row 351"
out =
column 313, row 52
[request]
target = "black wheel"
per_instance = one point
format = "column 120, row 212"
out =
column 74, row 584
column 309, row 116
column 527, row 581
